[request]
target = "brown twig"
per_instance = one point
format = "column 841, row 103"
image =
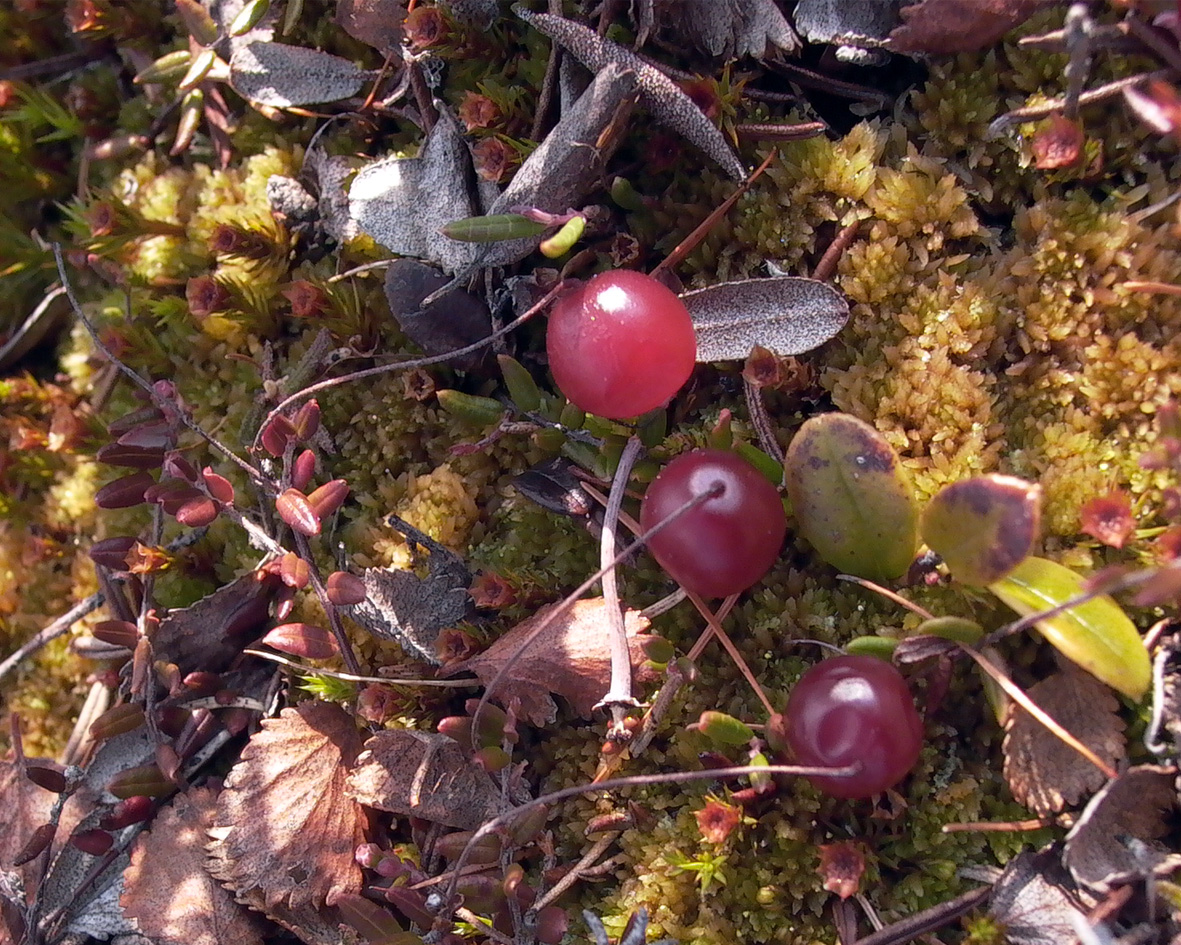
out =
column 928, row 920
column 832, row 255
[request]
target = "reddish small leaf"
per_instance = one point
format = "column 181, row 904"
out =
column 116, row 721
column 307, row 420
column 376, row 925
column 134, row 457
column 177, row 466
column 1109, row 518
column 131, row 810
column 302, row 640
column 47, row 775
column 276, row 435
column 93, row 842
column 158, row 435
column 345, row 589
column 329, row 497
column 116, row 633
column 112, row 552
column 1058, row 142
column 294, row 571
column 37, row 844
column 141, row 781
column 297, row 512
column 303, row 469
column 197, row 512
column 124, row 493
column 219, row 486
column 842, row 865
column 946, row 27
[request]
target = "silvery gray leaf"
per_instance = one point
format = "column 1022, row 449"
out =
column 731, row 29
column 224, row 12
column 663, row 98
column 785, row 314
column 280, row 75
column 330, row 175
column 401, row 606
column 562, row 169
column 477, row 13
column 452, row 322
column 859, row 28
column 404, row 203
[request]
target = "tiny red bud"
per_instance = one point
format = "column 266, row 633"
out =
column 297, row 511
column 94, row 842
column 133, row 810
column 197, row 512
column 219, row 486
column 329, row 497
column 345, row 589
column 307, row 420
column 124, row 493
column 303, row 640
column 303, row 469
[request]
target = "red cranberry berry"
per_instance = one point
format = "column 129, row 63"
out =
column 854, row 709
column 620, row 344
column 726, row 543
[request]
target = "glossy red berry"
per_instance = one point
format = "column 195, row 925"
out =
column 726, row 543
column 620, row 344
column 854, row 709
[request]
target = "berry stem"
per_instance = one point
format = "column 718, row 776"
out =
column 724, row 638
column 619, row 693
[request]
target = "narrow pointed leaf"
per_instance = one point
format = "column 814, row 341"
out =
column 492, row 228
column 1097, row 634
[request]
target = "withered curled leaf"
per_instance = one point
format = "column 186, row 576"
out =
column 571, row 658
column 167, row 890
column 946, row 27
column 658, row 93
column 424, row 774
column 1043, row 772
column 1034, row 900
column 285, row 831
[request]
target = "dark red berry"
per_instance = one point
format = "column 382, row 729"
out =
column 620, row 345
column 854, row 709
column 727, row 542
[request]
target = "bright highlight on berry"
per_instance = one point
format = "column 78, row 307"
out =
column 725, row 544
column 620, row 345
column 854, row 709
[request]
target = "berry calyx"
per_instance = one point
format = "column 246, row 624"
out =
column 729, row 541
column 620, row 344
column 854, row 709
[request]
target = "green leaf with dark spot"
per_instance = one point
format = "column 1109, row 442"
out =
column 851, row 498
column 1096, row 634
column 984, row 526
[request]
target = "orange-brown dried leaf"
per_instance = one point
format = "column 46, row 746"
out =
column 167, row 890
column 1108, row 518
column 1044, row 773
column 424, row 774
column 1057, row 143
column 841, row 867
column 946, row 27
column 571, row 658
column 285, row 830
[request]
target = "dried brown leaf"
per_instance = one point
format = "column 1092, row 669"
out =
column 1058, row 143
column 26, row 807
column 1044, row 773
column 1034, row 902
column 1114, row 839
column 285, row 831
column 841, row 866
column 167, row 890
column 946, row 27
column 424, row 774
column 571, row 658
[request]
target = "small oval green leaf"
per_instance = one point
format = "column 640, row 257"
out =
column 521, row 387
column 493, row 228
column 723, row 729
column 960, row 629
column 1097, row 634
column 984, row 526
column 477, row 410
column 851, row 497
column 881, row 647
